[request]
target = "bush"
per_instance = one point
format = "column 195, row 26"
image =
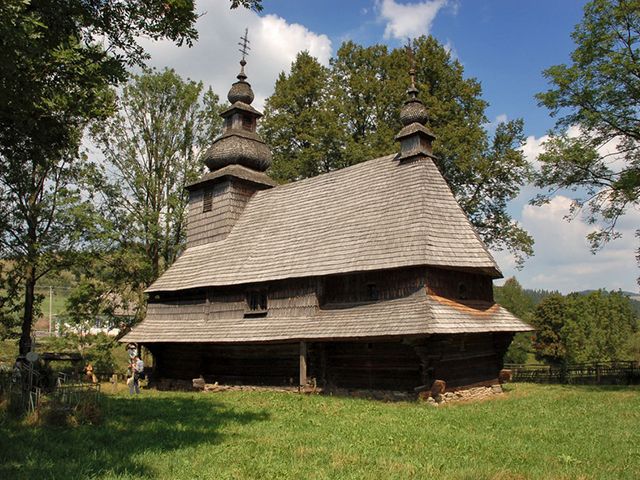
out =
column 100, row 354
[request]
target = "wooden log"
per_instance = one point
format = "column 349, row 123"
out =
column 303, row 364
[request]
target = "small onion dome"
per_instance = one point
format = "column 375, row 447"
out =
column 241, row 90
column 238, row 147
column 413, row 110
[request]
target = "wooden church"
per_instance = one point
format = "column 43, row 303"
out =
column 368, row 277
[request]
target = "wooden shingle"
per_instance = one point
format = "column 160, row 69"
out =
column 375, row 215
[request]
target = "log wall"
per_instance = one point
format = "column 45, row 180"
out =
column 459, row 285
column 459, row 360
column 388, row 365
column 229, row 197
column 271, row 364
column 357, row 288
column 462, row 359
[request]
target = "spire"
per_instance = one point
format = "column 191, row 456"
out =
column 415, row 139
column 240, row 144
column 241, row 90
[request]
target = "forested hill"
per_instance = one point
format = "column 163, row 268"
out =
column 591, row 325
column 537, row 295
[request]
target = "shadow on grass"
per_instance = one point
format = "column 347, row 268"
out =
column 131, row 427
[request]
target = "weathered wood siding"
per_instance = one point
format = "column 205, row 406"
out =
column 356, row 288
column 462, row 359
column 459, row 360
column 270, row 364
column 386, row 365
column 288, row 298
column 453, row 283
column 229, row 198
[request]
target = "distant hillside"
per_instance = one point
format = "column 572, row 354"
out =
column 631, row 295
column 538, row 295
column 634, row 297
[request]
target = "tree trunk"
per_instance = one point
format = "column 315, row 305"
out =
column 29, row 299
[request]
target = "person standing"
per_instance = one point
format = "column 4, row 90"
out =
column 137, row 371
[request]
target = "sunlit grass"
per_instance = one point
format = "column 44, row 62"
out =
column 536, row 432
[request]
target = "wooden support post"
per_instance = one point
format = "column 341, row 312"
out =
column 303, row 364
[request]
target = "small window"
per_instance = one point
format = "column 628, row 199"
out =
column 256, row 304
column 462, row 291
column 372, row 292
column 207, row 202
column 227, row 123
column 247, row 123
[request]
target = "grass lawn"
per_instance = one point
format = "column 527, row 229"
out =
column 537, row 432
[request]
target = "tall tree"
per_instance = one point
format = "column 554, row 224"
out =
column 301, row 131
column 597, row 326
column 57, row 62
column 351, row 112
column 550, row 318
column 512, row 296
column 151, row 150
column 598, row 94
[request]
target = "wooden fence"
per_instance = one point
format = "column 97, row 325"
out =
column 596, row 373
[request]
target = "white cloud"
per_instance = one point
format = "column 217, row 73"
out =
column 563, row 260
column 490, row 127
column 534, row 147
column 408, row 20
column 451, row 50
column 214, row 58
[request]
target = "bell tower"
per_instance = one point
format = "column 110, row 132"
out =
column 415, row 139
column 236, row 160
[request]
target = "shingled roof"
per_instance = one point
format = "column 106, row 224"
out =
column 416, row 314
column 378, row 214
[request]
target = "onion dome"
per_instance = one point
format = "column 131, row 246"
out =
column 239, row 143
column 413, row 110
column 241, row 90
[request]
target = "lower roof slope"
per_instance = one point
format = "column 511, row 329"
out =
column 374, row 215
column 416, row 314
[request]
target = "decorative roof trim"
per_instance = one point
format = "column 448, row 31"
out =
column 234, row 171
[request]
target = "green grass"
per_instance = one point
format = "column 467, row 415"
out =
column 533, row 432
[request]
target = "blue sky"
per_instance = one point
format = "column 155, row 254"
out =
column 505, row 44
column 502, row 43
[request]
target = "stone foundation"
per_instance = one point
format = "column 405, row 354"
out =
column 470, row 394
column 433, row 397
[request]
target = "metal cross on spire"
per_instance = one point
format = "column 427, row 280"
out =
column 244, row 45
column 412, row 62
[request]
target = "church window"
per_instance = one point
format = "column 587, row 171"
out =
column 372, row 292
column 207, row 201
column 256, row 303
column 247, row 123
column 462, row 291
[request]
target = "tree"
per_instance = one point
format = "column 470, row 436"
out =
column 349, row 113
column 151, row 151
column 550, row 318
column 598, row 326
column 57, row 62
column 512, row 297
column 311, row 144
column 597, row 95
